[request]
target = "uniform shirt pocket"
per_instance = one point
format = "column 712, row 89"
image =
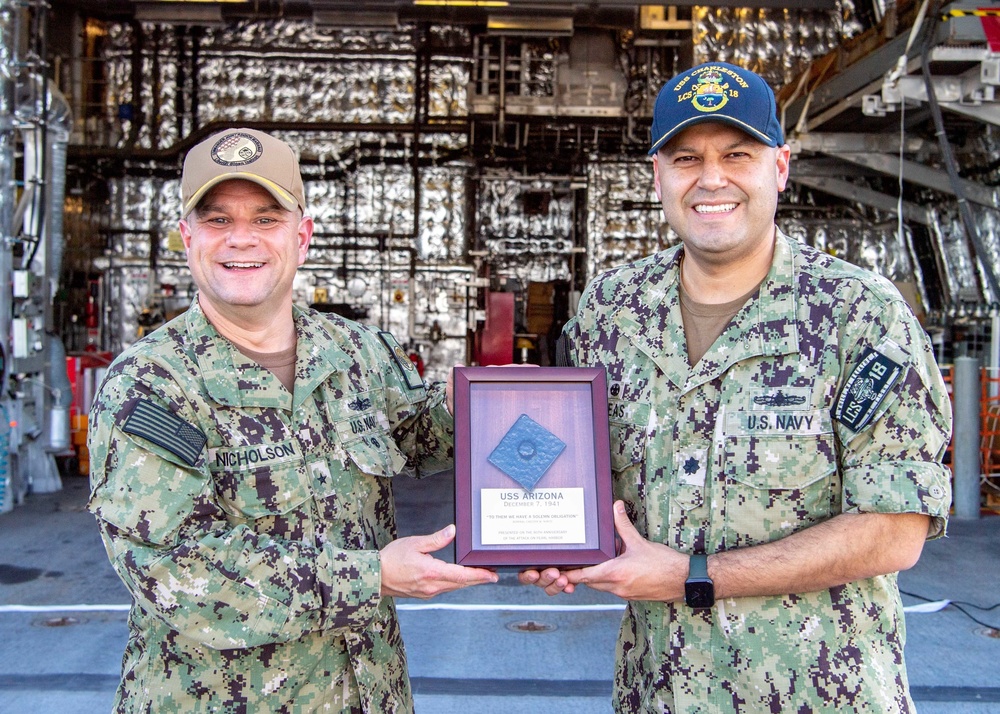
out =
column 687, row 488
column 363, row 431
column 781, row 472
column 628, row 453
column 258, row 482
column 376, row 454
column 627, row 424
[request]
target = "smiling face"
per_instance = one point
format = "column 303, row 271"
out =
column 719, row 189
column 243, row 249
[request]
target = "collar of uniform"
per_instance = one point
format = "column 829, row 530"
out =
column 769, row 329
column 649, row 314
column 318, row 356
column 659, row 330
column 222, row 365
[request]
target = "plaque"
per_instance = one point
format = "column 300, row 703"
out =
column 532, row 467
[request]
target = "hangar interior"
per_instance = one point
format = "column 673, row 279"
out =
column 469, row 164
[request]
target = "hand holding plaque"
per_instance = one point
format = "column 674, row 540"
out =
column 532, row 475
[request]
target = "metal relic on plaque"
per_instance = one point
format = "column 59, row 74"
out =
column 532, row 467
column 527, row 451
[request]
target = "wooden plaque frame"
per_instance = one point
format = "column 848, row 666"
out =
column 572, row 404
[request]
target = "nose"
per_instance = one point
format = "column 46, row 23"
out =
column 241, row 234
column 713, row 176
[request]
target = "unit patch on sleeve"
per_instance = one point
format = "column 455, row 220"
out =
column 866, row 389
column 406, row 366
column 166, row 429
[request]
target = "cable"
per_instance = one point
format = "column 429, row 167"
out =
column 902, row 156
column 958, row 606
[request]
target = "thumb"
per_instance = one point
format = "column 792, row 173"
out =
column 438, row 540
column 626, row 531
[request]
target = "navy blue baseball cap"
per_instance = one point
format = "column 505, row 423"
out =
column 716, row 91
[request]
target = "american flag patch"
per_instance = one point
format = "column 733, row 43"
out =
column 166, row 429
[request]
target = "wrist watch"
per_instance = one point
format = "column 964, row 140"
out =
column 699, row 590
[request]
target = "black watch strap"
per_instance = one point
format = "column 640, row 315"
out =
column 699, row 590
column 698, row 567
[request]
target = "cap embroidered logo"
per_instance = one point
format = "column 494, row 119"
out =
column 236, row 149
column 710, row 92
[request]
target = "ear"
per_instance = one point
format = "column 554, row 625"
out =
column 304, row 237
column 656, row 176
column 185, row 233
column 783, row 161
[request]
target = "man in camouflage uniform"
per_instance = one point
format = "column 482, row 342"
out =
column 777, row 425
column 242, row 460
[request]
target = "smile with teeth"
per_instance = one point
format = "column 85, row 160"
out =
column 239, row 266
column 719, row 208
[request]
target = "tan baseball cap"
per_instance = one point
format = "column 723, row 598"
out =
column 242, row 154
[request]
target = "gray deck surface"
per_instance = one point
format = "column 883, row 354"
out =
column 461, row 658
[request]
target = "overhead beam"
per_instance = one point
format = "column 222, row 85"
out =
column 988, row 113
column 972, row 93
column 923, row 175
column 834, row 143
column 865, row 196
column 847, row 87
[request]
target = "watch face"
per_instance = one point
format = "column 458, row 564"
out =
column 699, row 593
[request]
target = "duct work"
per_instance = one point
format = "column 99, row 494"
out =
column 776, row 43
column 389, row 207
column 397, row 208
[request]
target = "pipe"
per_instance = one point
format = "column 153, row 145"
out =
column 61, row 393
column 185, row 143
column 48, row 178
column 60, row 121
column 48, row 173
column 137, row 118
column 965, row 442
column 8, row 194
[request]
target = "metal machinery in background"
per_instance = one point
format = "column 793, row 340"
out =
column 903, row 121
column 443, row 163
column 35, row 392
column 470, row 169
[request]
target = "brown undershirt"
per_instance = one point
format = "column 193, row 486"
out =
column 703, row 323
column 281, row 364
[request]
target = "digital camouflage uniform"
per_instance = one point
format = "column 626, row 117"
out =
column 744, row 448
column 247, row 522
